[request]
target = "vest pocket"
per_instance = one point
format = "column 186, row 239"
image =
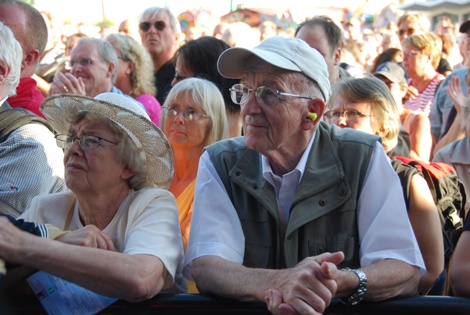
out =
column 257, row 255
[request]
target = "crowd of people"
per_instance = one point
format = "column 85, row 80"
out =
column 250, row 164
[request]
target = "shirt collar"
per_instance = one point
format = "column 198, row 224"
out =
column 268, row 172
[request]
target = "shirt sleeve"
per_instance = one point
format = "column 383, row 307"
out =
column 153, row 229
column 385, row 230
column 228, row 240
column 31, row 164
column 37, row 229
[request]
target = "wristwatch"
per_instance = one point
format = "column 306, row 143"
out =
column 360, row 292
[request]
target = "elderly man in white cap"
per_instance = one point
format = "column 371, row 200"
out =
column 298, row 202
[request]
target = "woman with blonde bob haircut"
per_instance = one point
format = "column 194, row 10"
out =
column 193, row 118
column 366, row 104
column 135, row 73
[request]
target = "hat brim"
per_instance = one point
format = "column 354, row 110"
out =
column 464, row 27
column 232, row 62
column 62, row 108
column 389, row 76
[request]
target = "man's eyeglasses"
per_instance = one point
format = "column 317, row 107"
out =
column 145, row 26
column 408, row 32
column 188, row 114
column 348, row 114
column 264, row 95
column 84, row 62
column 85, row 142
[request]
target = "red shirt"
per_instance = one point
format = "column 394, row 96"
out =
column 27, row 96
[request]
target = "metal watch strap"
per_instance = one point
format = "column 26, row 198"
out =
column 361, row 290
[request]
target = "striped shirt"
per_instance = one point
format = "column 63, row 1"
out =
column 422, row 102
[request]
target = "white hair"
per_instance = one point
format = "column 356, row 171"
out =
column 11, row 56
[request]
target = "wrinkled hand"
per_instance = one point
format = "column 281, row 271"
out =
column 88, row 236
column 66, row 83
column 455, row 93
column 11, row 240
column 307, row 288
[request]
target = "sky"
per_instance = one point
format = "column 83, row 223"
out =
column 91, row 11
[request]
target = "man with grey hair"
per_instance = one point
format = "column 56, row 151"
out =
column 94, row 65
column 30, row 31
column 298, row 202
column 160, row 33
column 30, row 161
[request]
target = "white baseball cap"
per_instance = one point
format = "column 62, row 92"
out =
column 286, row 53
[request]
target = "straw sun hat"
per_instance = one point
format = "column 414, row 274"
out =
column 129, row 116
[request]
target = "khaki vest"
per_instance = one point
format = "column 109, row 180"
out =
column 323, row 214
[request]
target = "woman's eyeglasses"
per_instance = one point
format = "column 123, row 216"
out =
column 188, row 114
column 348, row 114
column 85, row 142
column 145, row 26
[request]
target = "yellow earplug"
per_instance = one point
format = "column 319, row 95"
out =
column 312, row 116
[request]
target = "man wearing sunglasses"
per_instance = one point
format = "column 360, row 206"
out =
column 160, row 33
column 295, row 203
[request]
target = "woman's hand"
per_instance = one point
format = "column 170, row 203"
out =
column 455, row 93
column 88, row 236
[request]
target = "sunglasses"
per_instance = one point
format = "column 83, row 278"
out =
column 408, row 32
column 145, row 26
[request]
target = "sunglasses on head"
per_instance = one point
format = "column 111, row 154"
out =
column 145, row 26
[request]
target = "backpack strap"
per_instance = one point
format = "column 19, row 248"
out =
column 405, row 172
column 14, row 118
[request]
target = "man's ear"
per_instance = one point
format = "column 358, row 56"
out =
column 316, row 109
column 4, row 72
column 110, row 69
column 338, row 56
column 30, row 59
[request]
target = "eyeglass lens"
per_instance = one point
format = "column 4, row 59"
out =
column 240, row 95
column 188, row 114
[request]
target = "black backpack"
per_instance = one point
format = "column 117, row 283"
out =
column 448, row 193
column 13, row 118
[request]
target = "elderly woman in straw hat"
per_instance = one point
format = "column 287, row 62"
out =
column 118, row 166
